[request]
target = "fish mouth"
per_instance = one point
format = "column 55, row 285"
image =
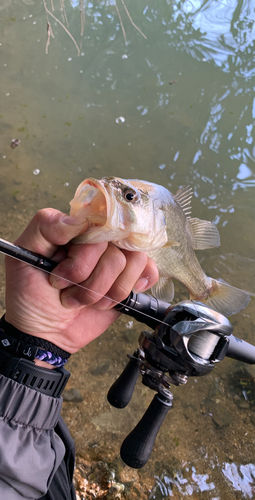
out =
column 91, row 203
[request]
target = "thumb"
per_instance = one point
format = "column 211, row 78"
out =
column 49, row 229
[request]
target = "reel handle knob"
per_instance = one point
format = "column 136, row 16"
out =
column 137, row 447
column 122, row 389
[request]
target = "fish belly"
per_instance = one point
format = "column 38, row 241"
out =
column 172, row 263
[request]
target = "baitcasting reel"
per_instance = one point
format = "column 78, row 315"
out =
column 188, row 340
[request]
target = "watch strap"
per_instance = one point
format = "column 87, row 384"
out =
column 13, row 332
column 49, row 382
column 27, row 350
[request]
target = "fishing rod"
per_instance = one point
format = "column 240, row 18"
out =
column 142, row 307
column 25, row 255
column 189, row 339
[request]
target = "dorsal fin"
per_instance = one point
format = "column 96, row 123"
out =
column 183, row 197
column 204, row 234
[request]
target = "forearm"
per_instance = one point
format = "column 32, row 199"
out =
column 30, row 450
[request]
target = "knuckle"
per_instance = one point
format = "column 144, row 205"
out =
column 141, row 259
column 46, row 215
column 152, row 271
column 120, row 291
column 90, row 297
column 138, row 260
column 86, row 296
column 77, row 271
column 118, row 261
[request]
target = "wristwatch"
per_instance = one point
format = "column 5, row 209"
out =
column 25, row 372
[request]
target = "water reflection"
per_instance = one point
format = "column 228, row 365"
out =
column 242, row 478
column 188, row 482
column 186, row 486
column 222, row 32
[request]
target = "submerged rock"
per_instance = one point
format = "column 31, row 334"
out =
column 100, row 369
column 72, row 396
column 221, row 417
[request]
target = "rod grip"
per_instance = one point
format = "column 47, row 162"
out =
column 137, row 447
column 122, row 389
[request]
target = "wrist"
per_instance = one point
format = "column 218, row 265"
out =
column 18, row 343
column 44, row 364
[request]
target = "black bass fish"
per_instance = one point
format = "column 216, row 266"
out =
column 142, row 216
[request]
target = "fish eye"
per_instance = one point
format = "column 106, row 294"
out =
column 129, row 195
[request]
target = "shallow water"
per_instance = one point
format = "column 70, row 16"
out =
column 176, row 108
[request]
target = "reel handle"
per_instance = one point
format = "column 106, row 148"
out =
column 137, row 447
column 122, row 389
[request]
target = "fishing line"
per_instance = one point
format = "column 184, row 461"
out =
column 84, row 287
column 41, row 263
column 101, row 296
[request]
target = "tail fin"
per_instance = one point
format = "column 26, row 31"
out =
column 226, row 299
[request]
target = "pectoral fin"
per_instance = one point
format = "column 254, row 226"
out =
column 171, row 243
column 204, row 234
column 163, row 290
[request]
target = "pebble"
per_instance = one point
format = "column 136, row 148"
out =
column 72, row 396
column 100, row 369
column 19, row 197
column 243, row 405
column 221, row 417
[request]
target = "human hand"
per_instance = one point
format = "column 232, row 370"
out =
column 52, row 308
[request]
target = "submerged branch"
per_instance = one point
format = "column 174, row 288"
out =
column 49, row 34
column 131, row 20
column 63, row 11
column 121, row 23
column 62, row 25
column 82, row 18
column 82, row 11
